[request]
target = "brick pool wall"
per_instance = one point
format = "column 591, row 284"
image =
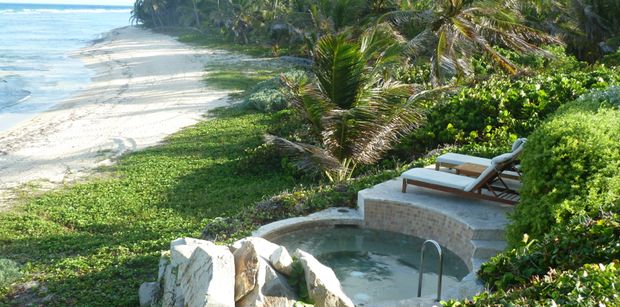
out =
column 423, row 223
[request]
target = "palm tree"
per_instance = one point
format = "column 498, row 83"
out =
column 458, row 30
column 149, row 12
column 354, row 109
column 190, row 14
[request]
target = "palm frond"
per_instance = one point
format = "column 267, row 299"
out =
column 308, row 158
column 378, row 141
column 308, row 101
column 400, row 17
column 366, row 131
column 421, row 43
column 466, row 29
column 381, row 42
column 339, row 69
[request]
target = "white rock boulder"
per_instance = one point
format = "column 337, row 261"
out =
column 250, row 273
column 209, row 278
column 323, row 285
column 282, row 261
column 271, row 289
column 197, row 273
column 148, row 293
column 257, row 282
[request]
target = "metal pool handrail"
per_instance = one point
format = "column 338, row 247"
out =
column 440, row 252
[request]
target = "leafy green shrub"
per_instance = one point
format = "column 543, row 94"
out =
column 570, row 167
column 567, row 247
column 560, row 61
column 594, row 101
column 269, row 96
column 500, row 109
column 415, row 73
column 9, row 272
column 612, row 59
column 591, row 285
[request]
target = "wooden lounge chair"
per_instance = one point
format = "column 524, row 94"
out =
column 489, row 185
column 453, row 160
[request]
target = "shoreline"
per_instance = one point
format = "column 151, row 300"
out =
column 144, row 87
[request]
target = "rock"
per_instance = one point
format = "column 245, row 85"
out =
column 271, row 289
column 263, row 247
column 188, row 241
column 246, row 268
column 148, row 293
column 247, row 254
column 164, row 260
column 171, row 295
column 181, row 251
column 200, row 273
column 209, row 277
column 282, row 261
column 200, row 267
column 323, row 285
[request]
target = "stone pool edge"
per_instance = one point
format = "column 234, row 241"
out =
column 343, row 216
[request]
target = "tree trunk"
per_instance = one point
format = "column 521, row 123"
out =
column 195, row 4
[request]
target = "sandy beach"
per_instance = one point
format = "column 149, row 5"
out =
column 146, row 86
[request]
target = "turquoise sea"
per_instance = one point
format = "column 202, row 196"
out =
column 36, row 40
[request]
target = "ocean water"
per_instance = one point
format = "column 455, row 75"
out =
column 36, row 41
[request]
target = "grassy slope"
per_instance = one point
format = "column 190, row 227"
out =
column 94, row 243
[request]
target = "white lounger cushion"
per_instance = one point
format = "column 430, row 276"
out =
column 444, row 179
column 518, row 143
column 458, row 159
column 470, row 187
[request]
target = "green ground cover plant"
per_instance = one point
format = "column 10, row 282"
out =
column 568, row 246
column 299, row 202
column 241, row 76
column 9, row 272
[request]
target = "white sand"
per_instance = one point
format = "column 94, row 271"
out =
column 146, row 86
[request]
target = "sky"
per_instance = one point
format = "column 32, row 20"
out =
column 86, row 2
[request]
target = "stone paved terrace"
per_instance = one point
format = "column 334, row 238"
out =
column 473, row 229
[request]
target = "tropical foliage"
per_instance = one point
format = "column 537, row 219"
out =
column 569, row 253
column 353, row 108
column 456, row 31
column 590, row 28
column 375, row 64
column 449, row 31
column 501, row 108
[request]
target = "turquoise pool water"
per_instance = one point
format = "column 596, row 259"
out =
column 376, row 266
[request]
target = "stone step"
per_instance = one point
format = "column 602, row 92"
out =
column 489, row 234
column 485, row 249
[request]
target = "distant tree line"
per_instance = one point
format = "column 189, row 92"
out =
column 589, row 28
